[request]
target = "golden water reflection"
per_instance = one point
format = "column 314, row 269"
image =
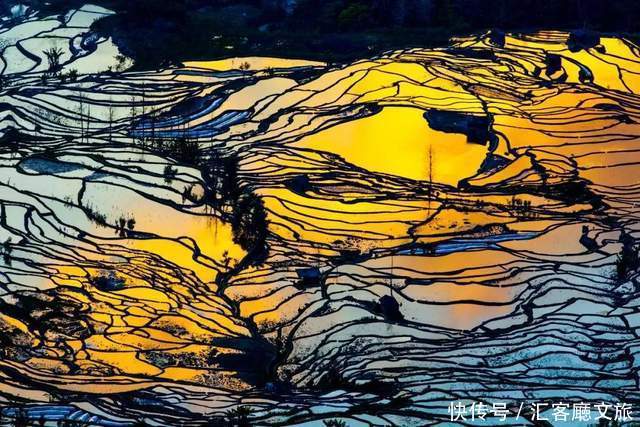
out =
column 397, row 141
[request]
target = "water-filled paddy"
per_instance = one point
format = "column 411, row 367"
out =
column 399, row 141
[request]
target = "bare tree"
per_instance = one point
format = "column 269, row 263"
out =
column 153, row 127
column 88, row 122
column 144, row 98
column 144, row 101
column 110, row 118
column 391, row 277
column 430, row 173
column 3, row 45
column 53, row 55
column 81, row 98
column 133, row 111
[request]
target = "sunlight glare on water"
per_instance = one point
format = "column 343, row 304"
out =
column 396, row 141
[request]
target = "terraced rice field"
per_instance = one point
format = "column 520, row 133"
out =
column 489, row 187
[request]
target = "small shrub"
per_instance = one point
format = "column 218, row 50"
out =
column 124, row 226
column 6, row 251
column 121, row 62
column 6, row 246
column 187, row 193
column 72, row 75
column 169, row 173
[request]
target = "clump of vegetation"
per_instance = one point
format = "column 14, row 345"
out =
column 239, row 205
column 124, row 226
column 226, row 259
column 628, row 261
column 121, row 62
column 239, row 417
column 184, row 150
column 169, row 174
column 354, row 15
column 188, row 193
column 222, row 176
column 6, row 251
column 164, row 359
column 334, row 423
column 153, row 32
column 20, row 418
column 249, row 222
column 521, row 208
column 95, row 216
column 246, row 210
column 108, row 282
column 71, row 423
column 71, row 76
